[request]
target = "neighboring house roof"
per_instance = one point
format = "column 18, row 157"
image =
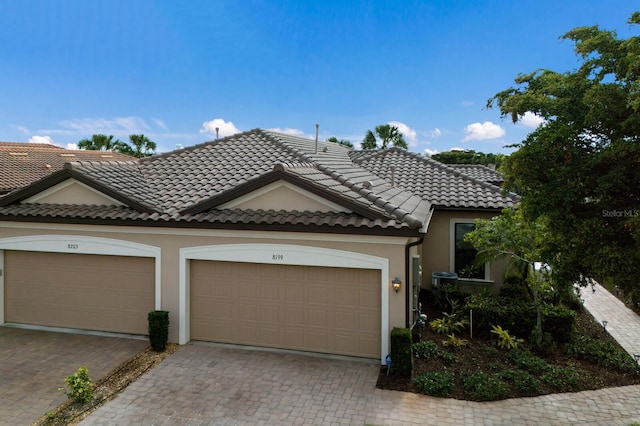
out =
column 24, row 163
column 441, row 185
column 480, row 172
column 191, row 187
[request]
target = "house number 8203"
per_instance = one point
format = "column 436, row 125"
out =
column 277, row 257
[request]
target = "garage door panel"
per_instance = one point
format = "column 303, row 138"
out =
column 107, row 293
column 295, row 307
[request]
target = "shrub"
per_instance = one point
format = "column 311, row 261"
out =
column 454, row 342
column 522, row 381
column 401, row 357
column 562, row 378
column 79, row 386
column 527, row 361
column 560, row 321
column 505, row 340
column 602, row 353
column 158, row 330
column 448, row 324
column 426, row 349
column 485, row 387
column 436, row 383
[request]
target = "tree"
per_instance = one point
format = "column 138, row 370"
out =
column 469, row 156
column 100, row 142
column 388, row 135
column 342, row 142
column 139, row 146
column 580, row 169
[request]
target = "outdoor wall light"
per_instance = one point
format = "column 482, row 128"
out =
column 604, row 324
column 396, row 284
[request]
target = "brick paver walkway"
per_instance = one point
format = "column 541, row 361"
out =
column 220, row 386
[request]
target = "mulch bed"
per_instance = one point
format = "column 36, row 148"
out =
column 105, row 389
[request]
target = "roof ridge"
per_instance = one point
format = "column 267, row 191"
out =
column 286, row 165
column 295, row 151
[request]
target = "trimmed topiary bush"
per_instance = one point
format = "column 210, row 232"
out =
column 560, row 321
column 401, row 356
column 158, row 330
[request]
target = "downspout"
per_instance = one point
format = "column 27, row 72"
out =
column 407, row 257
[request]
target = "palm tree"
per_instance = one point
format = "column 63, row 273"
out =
column 388, row 135
column 100, row 142
column 140, row 146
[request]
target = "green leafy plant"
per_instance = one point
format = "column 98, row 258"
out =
column 527, row 361
column 448, row 324
column 79, row 386
column 452, row 341
column 425, row 349
column 521, row 380
column 562, row 378
column 602, row 353
column 436, row 383
column 485, row 387
column 505, row 340
column 158, row 330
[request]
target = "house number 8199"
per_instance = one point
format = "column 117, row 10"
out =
column 277, row 257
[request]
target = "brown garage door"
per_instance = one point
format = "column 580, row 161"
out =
column 329, row 310
column 108, row 293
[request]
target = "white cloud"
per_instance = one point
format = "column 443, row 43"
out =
column 288, row 131
column 72, row 146
column 409, row 133
column 160, row 124
column 466, row 103
column 118, row 126
column 22, row 129
column 430, row 152
column 41, row 139
column 225, row 128
column 435, row 133
column 529, row 119
column 457, row 148
column 483, row 131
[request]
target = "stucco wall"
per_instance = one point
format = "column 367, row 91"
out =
column 436, row 250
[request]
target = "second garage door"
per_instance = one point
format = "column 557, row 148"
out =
column 107, row 293
column 317, row 309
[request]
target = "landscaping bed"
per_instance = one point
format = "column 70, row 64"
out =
column 480, row 370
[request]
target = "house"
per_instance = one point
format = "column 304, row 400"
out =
column 24, row 163
column 258, row 239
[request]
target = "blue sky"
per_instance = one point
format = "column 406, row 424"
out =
column 176, row 70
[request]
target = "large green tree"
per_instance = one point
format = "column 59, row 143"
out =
column 468, row 156
column 342, row 142
column 139, row 146
column 387, row 135
column 101, row 142
column 580, row 169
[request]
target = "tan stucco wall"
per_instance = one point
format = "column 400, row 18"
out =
column 436, row 250
column 72, row 192
column 172, row 240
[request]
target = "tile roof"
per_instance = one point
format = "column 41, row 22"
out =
column 24, row 163
column 479, row 172
column 187, row 185
column 441, row 185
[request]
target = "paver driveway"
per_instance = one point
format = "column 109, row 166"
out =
column 222, row 386
column 33, row 364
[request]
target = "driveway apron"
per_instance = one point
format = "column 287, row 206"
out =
column 33, row 365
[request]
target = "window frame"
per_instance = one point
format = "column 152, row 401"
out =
column 452, row 249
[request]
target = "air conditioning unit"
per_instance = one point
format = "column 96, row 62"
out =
column 441, row 278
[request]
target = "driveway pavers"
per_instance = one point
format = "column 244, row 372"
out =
column 33, row 365
column 208, row 385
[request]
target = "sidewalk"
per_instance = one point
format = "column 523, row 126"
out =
column 622, row 323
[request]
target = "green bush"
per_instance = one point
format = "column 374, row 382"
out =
column 560, row 321
column 158, row 330
column 522, row 381
column 438, row 383
column 426, row 349
column 505, row 340
column 485, row 387
column 401, row 357
column 79, row 386
column 452, row 341
column 527, row 361
column 563, row 379
column 602, row 353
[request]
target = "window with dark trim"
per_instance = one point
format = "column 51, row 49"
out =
column 465, row 254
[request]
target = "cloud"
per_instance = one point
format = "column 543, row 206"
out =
column 430, row 152
column 457, row 148
column 466, row 103
column 288, row 131
column 529, row 119
column 225, row 128
column 435, row 133
column 72, row 146
column 22, row 129
column 41, row 139
column 118, row 126
column 483, row 131
column 160, row 124
column 409, row 133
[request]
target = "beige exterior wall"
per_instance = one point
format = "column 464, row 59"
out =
column 170, row 241
column 72, row 192
column 437, row 247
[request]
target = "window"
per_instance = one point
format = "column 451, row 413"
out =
column 464, row 254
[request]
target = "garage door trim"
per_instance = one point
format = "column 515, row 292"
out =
column 282, row 254
column 79, row 244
